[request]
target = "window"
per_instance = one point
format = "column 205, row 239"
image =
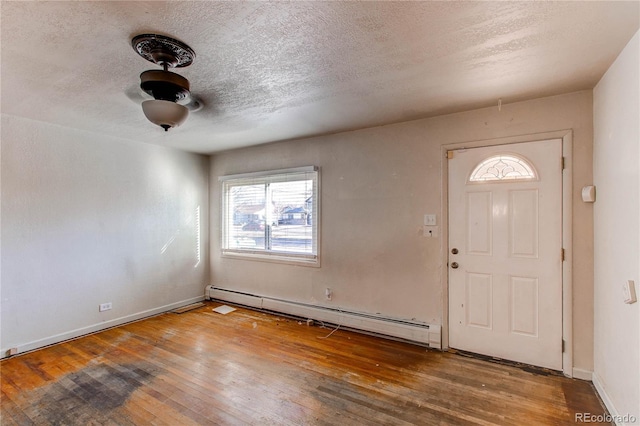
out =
column 502, row 168
column 271, row 215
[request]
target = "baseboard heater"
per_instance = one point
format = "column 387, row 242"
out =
column 422, row 333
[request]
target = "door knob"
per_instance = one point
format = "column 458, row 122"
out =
column 454, row 251
column 454, row 265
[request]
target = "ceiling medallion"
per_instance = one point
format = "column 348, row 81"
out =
column 158, row 49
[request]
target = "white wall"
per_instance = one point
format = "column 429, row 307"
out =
column 376, row 186
column 617, row 231
column 88, row 219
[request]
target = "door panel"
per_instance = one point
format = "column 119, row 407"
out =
column 479, row 223
column 523, row 221
column 478, row 300
column 524, row 305
column 505, row 219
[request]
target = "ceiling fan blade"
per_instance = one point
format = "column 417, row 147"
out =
column 192, row 103
column 136, row 94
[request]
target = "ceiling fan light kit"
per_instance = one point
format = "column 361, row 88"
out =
column 166, row 87
column 165, row 114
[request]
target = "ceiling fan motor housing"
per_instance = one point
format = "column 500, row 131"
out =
column 164, row 85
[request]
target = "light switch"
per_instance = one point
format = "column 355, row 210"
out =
column 430, row 219
column 629, row 292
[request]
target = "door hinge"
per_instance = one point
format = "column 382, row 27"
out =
column 563, row 162
column 562, row 255
column 563, row 344
column 449, row 155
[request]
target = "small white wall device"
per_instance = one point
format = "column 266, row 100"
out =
column 589, row 194
column 629, row 292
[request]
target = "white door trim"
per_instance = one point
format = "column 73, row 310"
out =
column 567, row 209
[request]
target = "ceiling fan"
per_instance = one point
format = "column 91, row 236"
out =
column 168, row 94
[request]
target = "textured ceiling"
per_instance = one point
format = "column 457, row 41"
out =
column 277, row 71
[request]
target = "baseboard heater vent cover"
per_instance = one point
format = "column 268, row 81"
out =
column 426, row 334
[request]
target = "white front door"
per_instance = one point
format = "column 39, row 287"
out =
column 505, row 252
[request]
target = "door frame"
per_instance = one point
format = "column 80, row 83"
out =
column 567, row 210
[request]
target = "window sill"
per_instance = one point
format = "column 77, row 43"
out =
column 289, row 259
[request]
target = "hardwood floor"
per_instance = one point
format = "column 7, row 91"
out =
column 248, row 367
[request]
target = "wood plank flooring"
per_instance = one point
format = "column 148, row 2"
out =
column 251, row 368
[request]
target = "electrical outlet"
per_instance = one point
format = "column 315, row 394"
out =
column 328, row 294
column 105, row 307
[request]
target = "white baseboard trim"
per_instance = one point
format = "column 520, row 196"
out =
column 428, row 334
column 579, row 373
column 597, row 383
column 37, row 344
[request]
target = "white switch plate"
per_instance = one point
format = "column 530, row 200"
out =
column 629, row 292
column 430, row 231
column 430, row 219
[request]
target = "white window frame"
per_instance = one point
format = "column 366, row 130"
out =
column 229, row 181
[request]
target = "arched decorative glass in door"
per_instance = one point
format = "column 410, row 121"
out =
column 503, row 167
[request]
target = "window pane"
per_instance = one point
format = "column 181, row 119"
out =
column 503, row 167
column 247, row 211
column 271, row 214
column 293, row 207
